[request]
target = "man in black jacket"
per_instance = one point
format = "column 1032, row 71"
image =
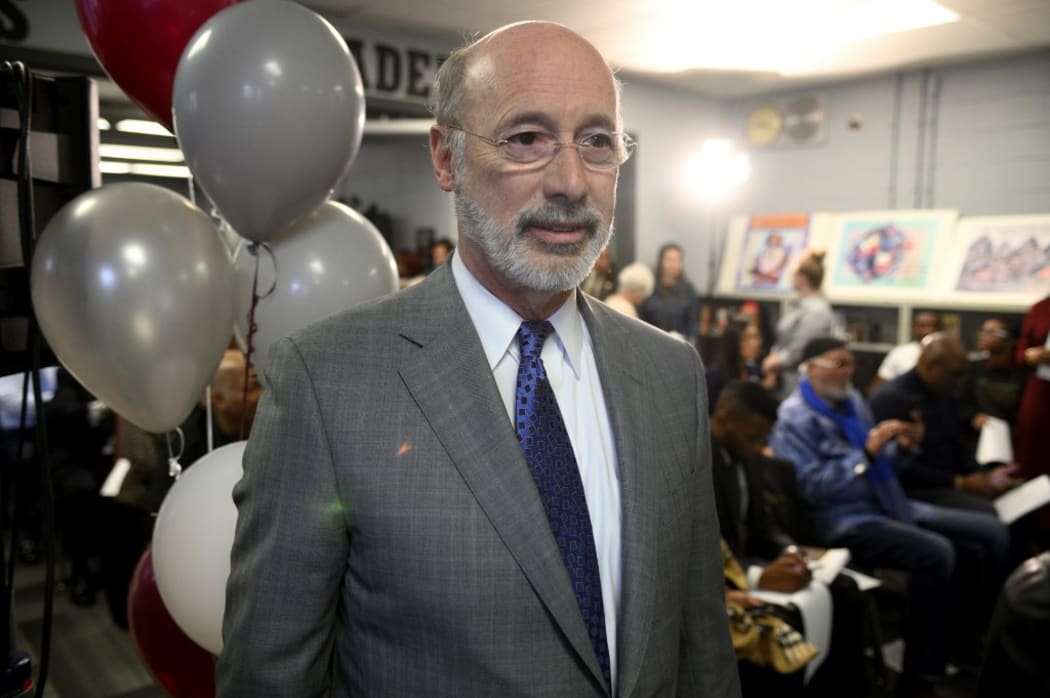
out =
column 742, row 421
column 943, row 472
column 743, row 418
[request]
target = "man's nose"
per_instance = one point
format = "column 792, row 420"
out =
column 565, row 175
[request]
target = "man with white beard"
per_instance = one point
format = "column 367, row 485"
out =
column 847, row 470
column 487, row 484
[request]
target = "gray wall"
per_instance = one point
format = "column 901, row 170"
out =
column 983, row 147
column 973, row 137
column 395, row 173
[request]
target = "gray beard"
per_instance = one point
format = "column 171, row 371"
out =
column 528, row 261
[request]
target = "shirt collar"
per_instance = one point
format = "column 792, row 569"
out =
column 497, row 324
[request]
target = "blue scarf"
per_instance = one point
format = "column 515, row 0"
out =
column 880, row 473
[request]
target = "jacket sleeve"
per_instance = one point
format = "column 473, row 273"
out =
column 707, row 665
column 290, row 548
column 887, row 402
column 829, row 470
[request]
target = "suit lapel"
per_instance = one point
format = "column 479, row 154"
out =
column 631, row 414
column 449, row 379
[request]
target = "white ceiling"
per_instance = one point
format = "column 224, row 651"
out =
column 624, row 31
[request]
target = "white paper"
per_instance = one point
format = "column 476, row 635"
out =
column 826, row 567
column 993, row 445
column 814, row 603
column 864, row 582
column 1023, row 499
column 111, row 487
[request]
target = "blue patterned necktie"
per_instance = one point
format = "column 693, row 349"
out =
column 548, row 451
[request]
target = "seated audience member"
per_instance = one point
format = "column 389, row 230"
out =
column 601, row 282
column 903, row 357
column 847, row 470
column 78, row 428
column 995, row 382
column 942, row 471
column 1015, row 663
column 771, row 652
column 741, row 423
column 440, row 251
column 738, row 356
column 752, row 311
column 25, row 465
column 635, row 284
column 129, row 517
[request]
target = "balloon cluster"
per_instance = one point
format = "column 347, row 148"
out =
column 132, row 285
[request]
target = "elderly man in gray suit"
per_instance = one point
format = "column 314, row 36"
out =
column 398, row 534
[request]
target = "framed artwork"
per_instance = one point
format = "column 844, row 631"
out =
column 761, row 252
column 885, row 254
column 1003, row 260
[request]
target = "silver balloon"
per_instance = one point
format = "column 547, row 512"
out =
column 269, row 109
column 330, row 261
column 132, row 287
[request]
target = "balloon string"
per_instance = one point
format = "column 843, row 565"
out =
column 249, row 352
column 193, row 189
column 207, row 418
column 174, row 469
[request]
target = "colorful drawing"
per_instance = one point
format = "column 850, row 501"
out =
column 1005, row 255
column 771, row 247
column 891, row 253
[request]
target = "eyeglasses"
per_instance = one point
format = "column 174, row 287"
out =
column 599, row 149
column 994, row 333
column 833, row 363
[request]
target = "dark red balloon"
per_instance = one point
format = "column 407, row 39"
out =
column 181, row 667
column 140, row 42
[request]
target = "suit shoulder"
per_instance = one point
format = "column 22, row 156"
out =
column 638, row 331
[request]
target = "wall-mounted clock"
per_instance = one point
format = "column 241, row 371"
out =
column 763, row 125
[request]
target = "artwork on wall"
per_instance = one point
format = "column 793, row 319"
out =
column 762, row 251
column 1000, row 259
column 885, row 254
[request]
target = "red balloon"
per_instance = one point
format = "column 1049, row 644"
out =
column 183, row 668
column 140, row 42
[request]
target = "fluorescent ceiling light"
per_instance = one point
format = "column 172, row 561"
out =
column 148, row 128
column 103, row 124
column 773, row 35
column 139, row 152
column 144, row 169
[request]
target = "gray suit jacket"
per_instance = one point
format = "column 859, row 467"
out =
column 391, row 541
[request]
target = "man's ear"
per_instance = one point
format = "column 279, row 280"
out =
column 441, row 156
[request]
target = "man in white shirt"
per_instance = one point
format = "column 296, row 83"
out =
column 903, row 357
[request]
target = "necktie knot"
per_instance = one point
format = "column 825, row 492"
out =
column 531, row 336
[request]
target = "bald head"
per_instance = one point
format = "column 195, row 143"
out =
column 498, row 58
column 942, row 363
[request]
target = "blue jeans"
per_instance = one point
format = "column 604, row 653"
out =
column 926, row 552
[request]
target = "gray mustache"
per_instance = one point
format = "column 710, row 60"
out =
column 554, row 214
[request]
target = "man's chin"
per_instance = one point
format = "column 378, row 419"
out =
column 836, row 394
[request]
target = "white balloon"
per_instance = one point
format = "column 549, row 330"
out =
column 328, row 262
column 192, row 540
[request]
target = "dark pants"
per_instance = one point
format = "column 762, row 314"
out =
column 926, row 552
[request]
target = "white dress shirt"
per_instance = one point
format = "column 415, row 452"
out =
column 901, row 359
column 568, row 358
